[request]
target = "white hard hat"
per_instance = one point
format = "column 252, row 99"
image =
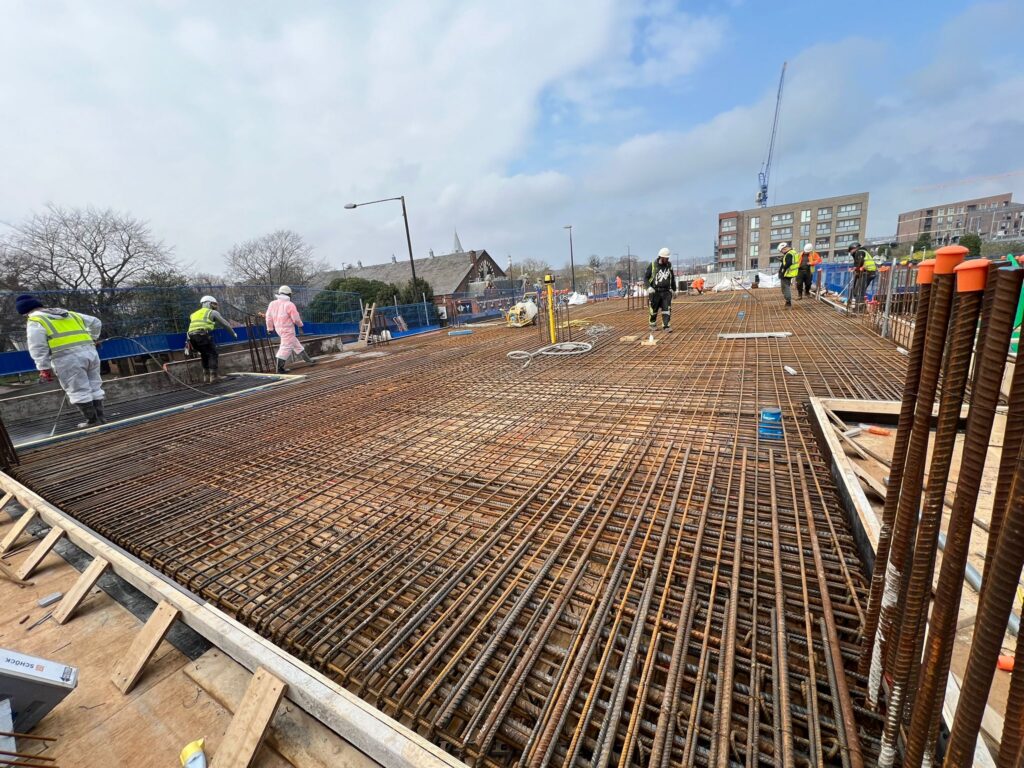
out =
column 208, row 300
column 664, row 253
column 808, row 247
column 783, row 247
column 285, row 290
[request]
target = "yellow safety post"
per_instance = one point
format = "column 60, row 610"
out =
column 549, row 281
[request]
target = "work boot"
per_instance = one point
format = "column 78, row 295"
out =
column 206, row 377
column 97, row 406
column 305, row 356
column 215, row 378
column 280, row 365
column 89, row 411
column 652, row 326
column 668, row 329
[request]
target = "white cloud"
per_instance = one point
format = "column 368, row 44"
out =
column 222, row 121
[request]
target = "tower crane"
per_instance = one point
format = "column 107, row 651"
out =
column 766, row 168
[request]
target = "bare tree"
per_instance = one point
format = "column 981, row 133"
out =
column 535, row 268
column 81, row 249
column 281, row 257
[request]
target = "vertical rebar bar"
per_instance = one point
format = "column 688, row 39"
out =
column 967, row 306
column 990, row 364
column 1002, row 575
column 899, row 458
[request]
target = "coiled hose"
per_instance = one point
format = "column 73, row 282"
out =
column 562, row 349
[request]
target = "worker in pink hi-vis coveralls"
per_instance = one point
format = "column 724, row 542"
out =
column 282, row 316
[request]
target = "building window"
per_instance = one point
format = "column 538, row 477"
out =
column 821, row 244
column 805, row 216
column 845, row 239
column 782, row 218
column 782, row 232
column 729, row 225
column 728, row 240
column 805, row 230
column 755, row 223
column 824, row 214
column 727, row 254
column 755, row 237
column 848, row 225
column 850, row 209
column 754, row 251
column 823, row 229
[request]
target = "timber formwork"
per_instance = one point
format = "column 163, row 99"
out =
column 593, row 560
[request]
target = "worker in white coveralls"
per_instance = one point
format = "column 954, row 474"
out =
column 283, row 317
column 64, row 343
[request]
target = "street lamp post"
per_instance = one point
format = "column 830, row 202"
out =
column 572, row 263
column 405, row 216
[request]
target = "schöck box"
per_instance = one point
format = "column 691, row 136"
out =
column 34, row 686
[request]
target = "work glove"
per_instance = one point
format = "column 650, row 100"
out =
column 650, row 291
column 46, row 377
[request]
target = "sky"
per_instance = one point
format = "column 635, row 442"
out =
column 635, row 121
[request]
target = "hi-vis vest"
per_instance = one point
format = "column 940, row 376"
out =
column 793, row 268
column 869, row 262
column 200, row 321
column 64, row 332
column 661, row 277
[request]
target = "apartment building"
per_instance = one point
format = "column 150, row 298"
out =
column 992, row 217
column 749, row 239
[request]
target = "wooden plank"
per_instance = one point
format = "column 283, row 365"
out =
column 19, row 528
column 379, row 736
column 35, row 557
column 129, row 668
column 249, row 725
column 297, row 736
column 82, row 586
column 6, row 497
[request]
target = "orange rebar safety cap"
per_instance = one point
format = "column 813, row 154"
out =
column 972, row 275
column 925, row 271
column 947, row 258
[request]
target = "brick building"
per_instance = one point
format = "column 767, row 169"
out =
column 993, row 217
column 749, row 239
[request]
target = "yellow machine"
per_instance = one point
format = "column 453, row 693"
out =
column 522, row 314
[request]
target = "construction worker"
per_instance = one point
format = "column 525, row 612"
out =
column 787, row 271
column 283, row 316
column 865, row 270
column 809, row 260
column 698, row 286
column 200, row 336
column 660, row 280
column 64, row 343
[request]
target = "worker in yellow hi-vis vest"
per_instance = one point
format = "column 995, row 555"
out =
column 63, row 343
column 865, row 270
column 788, row 269
column 201, row 325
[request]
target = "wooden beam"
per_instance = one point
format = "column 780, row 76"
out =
column 19, row 528
column 249, row 725
column 380, row 737
column 35, row 557
column 7, row 497
column 129, row 668
column 82, row 586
